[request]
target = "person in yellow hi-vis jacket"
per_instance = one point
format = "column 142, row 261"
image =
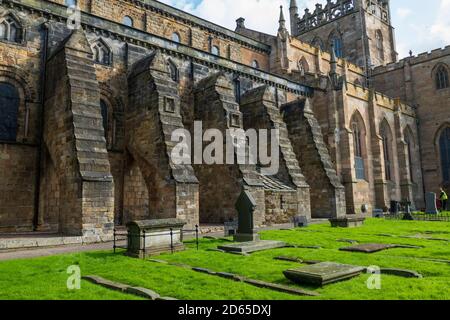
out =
column 444, row 199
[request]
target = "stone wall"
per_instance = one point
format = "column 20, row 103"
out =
column 414, row 80
column 161, row 20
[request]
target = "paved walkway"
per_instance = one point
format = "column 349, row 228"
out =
column 50, row 251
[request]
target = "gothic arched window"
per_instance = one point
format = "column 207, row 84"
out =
column 176, row 37
column 409, row 150
column 359, row 147
column 386, row 137
column 215, row 50
column 105, row 119
column 379, row 44
column 337, row 43
column 102, row 54
column 317, row 42
column 128, row 21
column 9, row 109
column 442, row 78
column 174, row 73
column 444, row 144
column 10, row 29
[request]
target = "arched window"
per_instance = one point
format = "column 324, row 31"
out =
column 237, row 89
column 303, row 65
column 102, row 53
column 317, row 42
column 104, row 112
column 10, row 29
column 359, row 147
column 386, row 137
column 442, row 78
column 379, row 44
column 71, row 3
column 215, row 50
column 128, row 21
column 255, row 64
column 444, row 143
column 9, row 109
column 337, row 43
column 409, row 149
column 175, row 37
column 174, row 73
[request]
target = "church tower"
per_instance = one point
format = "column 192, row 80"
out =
column 359, row 30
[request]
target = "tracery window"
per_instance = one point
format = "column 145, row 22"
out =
column 442, row 78
column 9, row 109
column 102, row 54
column 10, row 29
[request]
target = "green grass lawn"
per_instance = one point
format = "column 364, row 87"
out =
column 45, row 278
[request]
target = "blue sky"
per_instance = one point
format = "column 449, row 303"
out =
column 419, row 25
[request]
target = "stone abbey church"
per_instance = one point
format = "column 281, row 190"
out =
column 86, row 114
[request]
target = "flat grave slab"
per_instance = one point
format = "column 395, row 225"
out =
column 323, row 273
column 375, row 247
column 252, row 246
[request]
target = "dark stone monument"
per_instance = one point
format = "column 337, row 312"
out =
column 245, row 207
column 230, row 228
column 347, row 222
column 300, row 221
column 248, row 240
column 431, row 203
column 408, row 214
column 395, row 207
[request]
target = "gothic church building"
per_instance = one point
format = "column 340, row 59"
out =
column 88, row 107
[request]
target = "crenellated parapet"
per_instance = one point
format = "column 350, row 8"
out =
column 322, row 15
column 412, row 60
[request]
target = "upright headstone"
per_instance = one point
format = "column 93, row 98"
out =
column 408, row 214
column 245, row 207
column 431, row 203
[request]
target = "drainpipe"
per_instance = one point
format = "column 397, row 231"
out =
column 44, row 49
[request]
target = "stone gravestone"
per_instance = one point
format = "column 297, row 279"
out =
column 246, row 239
column 323, row 273
column 230, row 228
column 300, row 221
column 431, row 203
column 245, row 207
column 408, row 214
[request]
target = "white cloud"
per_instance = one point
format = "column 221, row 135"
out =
column 403, row 12
column 261, row 15
column 440, row 30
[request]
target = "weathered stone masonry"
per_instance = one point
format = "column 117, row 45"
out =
column 114, row 94
column 74, row 137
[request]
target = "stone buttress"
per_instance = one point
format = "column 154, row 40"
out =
column 327, row 192
column 286, row 192
column 77, row 183
column 153, row 115
column 221, row 184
